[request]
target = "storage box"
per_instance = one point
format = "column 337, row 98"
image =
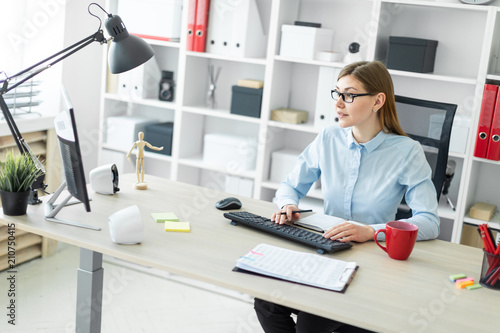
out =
column 239, row 186
column 246, row 101
column 122, row 131
column 482, row 211
column 282, row 163
column 230, row 152
column 160, row 135
column 289, row 116
column 411, row 54
column 304, row 42
column 163, row 18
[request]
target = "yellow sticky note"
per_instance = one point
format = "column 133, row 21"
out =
column 162, row 217
column 177, row 226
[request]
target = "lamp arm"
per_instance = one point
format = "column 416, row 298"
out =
column 95, row 37
column 12, row 125
column 5, row 88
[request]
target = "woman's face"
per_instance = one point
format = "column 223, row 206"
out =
column 362, row 112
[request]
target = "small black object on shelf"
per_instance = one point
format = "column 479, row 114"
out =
column 167, row 86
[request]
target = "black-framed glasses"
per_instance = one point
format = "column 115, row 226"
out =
column 346, row 97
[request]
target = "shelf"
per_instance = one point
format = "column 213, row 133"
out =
column 445, row 210
column 435, row 77
column 485, row 160
column 310, row 62
column 257, row 61
column 492, row 224
column 147, row 154
column 162, row 43
column 296, row 127
column 141, row 101
column 494, row 76
column 436, row 3
column 226, row 114
column 197, row 162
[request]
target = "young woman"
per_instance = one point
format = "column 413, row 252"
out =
column 366, row 165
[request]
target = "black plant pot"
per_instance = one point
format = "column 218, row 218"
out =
column 14, row 203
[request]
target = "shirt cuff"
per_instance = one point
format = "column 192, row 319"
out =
column 376, row 227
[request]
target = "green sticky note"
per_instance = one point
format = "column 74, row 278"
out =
column 162, row 217
column 455, row 277
column 177, row 226
column 474, row 286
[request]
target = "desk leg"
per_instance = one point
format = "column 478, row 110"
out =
column 89, row 292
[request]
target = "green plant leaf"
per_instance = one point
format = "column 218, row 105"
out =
column 18, row 172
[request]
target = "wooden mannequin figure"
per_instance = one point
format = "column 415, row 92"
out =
column 139, row 164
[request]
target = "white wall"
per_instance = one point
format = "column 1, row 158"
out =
column 82, row 76
column 32, row 30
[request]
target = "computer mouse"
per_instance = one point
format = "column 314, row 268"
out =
column 228, row 203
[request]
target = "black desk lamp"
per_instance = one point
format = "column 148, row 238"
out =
column 125, row 53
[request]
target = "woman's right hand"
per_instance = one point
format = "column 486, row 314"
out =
column 285, row 215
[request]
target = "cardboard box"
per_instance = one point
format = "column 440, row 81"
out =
column 160, row 135
column 230, row 152
column 282, row 163
column 411, row 54
column 289, row 116
column 122, row 131
column 304, row 42
column 482, row 211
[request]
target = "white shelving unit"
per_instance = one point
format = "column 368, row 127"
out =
column 467, row 56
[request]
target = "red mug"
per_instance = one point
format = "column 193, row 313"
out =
column 400, row 237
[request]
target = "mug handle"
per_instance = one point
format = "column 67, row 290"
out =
column 376, row 241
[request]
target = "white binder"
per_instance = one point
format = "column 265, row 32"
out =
column 324, row 114
column 235, row 29
column 140, row 82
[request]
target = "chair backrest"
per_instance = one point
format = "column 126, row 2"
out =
column 429, row 123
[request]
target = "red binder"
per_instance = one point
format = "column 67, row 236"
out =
column 191, row 25
column 494, row 137
column 485, row 118
column 200, row 36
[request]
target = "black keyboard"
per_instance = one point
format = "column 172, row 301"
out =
column 290, row 232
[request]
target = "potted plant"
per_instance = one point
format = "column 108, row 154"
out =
column 17, row 174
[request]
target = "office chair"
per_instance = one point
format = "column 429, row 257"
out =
column 430, row 124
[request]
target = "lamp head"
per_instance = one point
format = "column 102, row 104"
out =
column 126, row 51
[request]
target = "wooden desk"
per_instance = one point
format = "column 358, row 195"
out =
column 385, row 295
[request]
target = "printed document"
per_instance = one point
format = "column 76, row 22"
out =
column 305, row 268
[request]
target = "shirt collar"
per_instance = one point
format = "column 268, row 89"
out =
column 370, row 145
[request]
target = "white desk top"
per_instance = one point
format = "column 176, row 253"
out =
column 385, row 295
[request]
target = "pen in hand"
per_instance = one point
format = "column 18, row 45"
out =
column 298, row 211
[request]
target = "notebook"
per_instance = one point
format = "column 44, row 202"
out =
column 321, row 222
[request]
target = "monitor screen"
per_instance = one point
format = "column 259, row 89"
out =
column 65, row 127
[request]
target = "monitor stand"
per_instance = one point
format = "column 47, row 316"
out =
column 51, row 209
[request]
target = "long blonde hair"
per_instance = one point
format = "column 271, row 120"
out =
column 375, row 78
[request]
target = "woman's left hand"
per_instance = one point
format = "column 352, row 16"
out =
column 348, row 232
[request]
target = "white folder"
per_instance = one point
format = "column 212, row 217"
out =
column 235, row 29
column 140, row 82
column 324, row 114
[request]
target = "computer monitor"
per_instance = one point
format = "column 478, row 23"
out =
column 65, row 127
